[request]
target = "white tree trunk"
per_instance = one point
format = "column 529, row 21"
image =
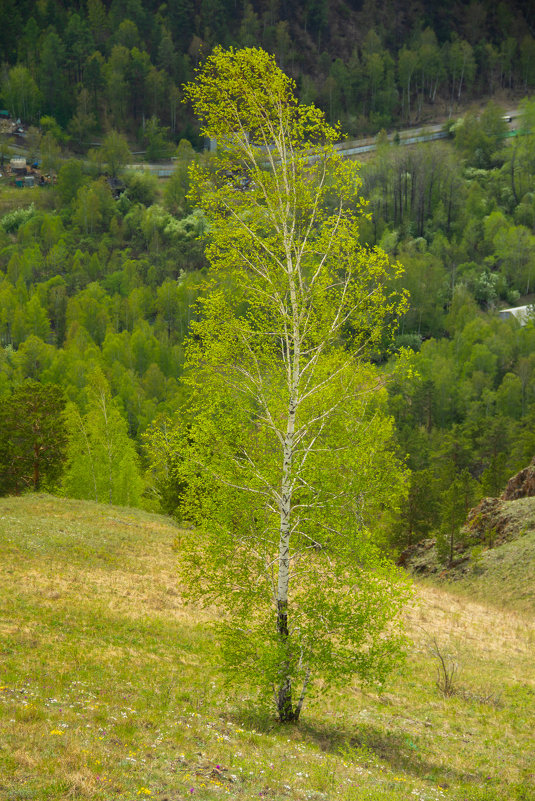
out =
column 285, row 707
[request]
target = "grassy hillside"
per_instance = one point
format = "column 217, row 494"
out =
column 494, row 563
column 504, row 576
column 108, row 685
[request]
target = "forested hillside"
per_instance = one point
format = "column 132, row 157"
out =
column 309, row 363
column 99, row 271
column 371, row 64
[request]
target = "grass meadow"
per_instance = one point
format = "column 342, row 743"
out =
column 110, row 687
column 11, row 197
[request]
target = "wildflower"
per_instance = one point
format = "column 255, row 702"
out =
column 56, row 731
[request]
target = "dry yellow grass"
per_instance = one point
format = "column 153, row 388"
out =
column 495, row 631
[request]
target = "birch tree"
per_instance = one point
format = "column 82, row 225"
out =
column 284, row 454
column 101, row 463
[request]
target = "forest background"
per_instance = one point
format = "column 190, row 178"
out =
column 98, row 272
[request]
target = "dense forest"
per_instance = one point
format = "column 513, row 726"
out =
column 99, row 271
column 94, row 65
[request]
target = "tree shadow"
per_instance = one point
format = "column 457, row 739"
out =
column 364, row 744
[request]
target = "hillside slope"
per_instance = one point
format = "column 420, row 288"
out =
column 108, row 685
column 494, row 558
column 504, row 576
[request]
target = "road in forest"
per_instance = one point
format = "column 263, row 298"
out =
column 350, row 148
column 354, row 147
column 411, row 136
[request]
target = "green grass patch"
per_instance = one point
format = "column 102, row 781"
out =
column 109, row 685
column 504, row 576
column 13, row 197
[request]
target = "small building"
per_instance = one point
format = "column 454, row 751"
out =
column 18, row 165
column 520, row 313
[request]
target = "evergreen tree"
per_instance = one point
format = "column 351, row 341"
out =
column 32, row 437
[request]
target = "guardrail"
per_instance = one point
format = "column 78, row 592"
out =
column 353, row 150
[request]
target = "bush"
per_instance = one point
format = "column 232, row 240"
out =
column 142, row 187
column 14, row 219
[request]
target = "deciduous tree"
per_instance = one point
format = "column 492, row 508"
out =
column 114, row 152
column 285, row 458
column 101, row 461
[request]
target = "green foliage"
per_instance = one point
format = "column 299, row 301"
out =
column 286, row 463
column 21, row 93
column 50, row 153
column 108, row 283
column 413, row 191
column 100, row 581
column 70, row 179
column 156, row 141
column 101, row 460
column 479, row 138
column 458, row 497
column 177, row 187
column 94, row 207
column 14, row 219
column 231, row 557
column 90, row 67
column 32, row 437
column 142, row 187
column 114, row 153
column 420, row 509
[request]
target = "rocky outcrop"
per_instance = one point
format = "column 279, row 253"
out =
column 493, row 522
column 522, row 485
column 420, row 558
column 487, row 522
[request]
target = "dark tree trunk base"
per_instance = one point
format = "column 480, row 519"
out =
column 285, row 708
